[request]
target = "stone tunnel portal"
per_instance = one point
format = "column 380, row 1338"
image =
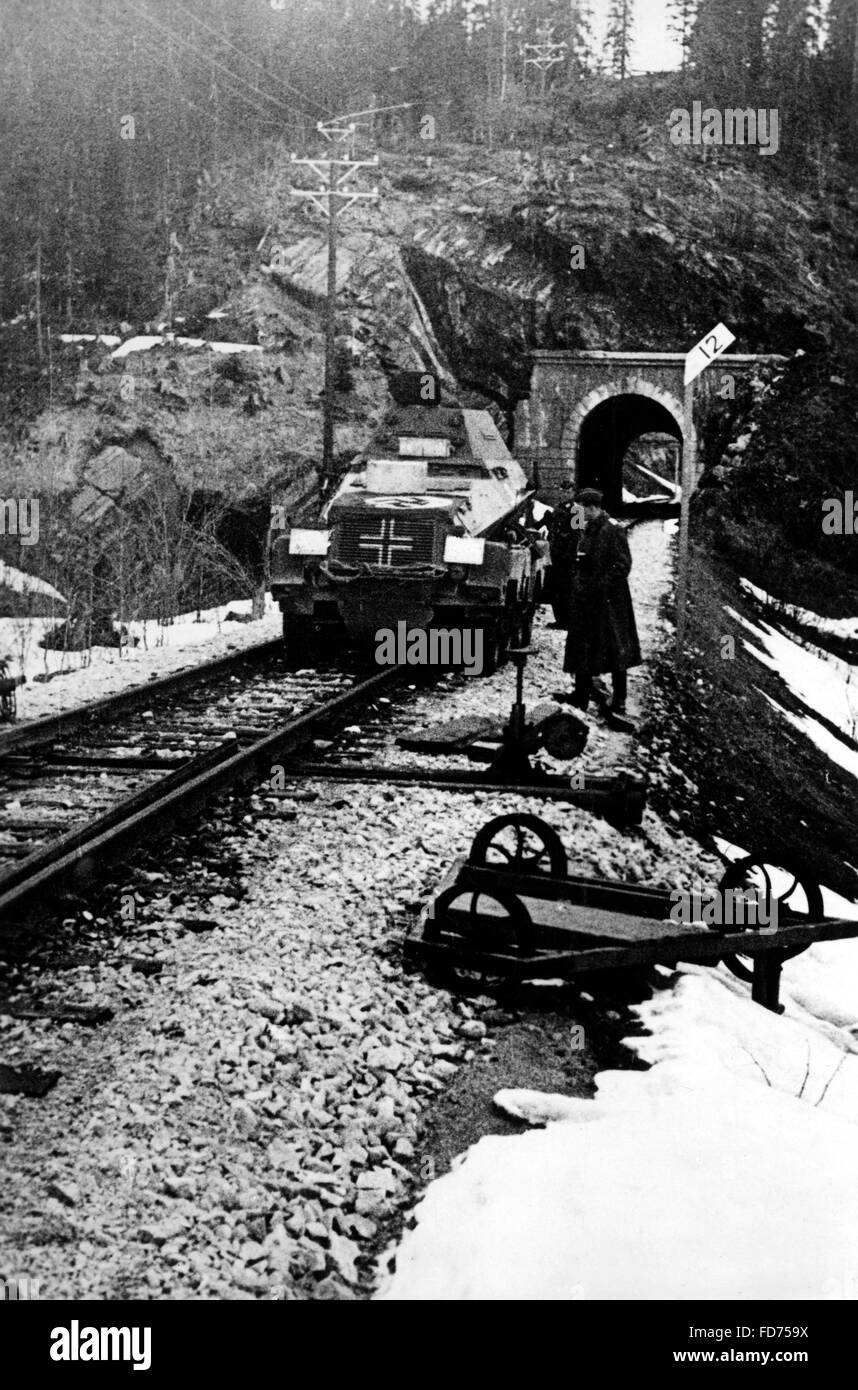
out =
column 605, row 435
column 586, row 408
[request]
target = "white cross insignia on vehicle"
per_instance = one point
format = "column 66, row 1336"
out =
column 386, row 542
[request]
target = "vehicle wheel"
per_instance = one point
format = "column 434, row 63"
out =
column 496, row 640
column 521, row 843
column 797, row 896
column 299, row 639
column 503, row 925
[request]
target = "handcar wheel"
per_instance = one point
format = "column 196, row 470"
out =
column 521, row 843
column 508, row 929
column 799, row 899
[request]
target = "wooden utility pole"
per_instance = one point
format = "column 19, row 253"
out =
column 504, row 49
column 333, row 197
column 40, row 350
column 689, row 465
column 330, row 326
column 543, row 56
column 853, row 105
column 696, row 361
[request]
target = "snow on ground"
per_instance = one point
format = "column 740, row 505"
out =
column 825, row 741
column 700, row 1179
column 143, row 342
column 161, row 651
column 836, row 627
column 109, row 339
column 822, row 682
column 23, row 583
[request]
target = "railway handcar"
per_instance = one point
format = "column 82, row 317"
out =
column 432, row 525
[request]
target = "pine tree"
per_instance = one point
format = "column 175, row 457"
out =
column 793, row 38
column 619, row 36
column 682, row 15
column 726, row 46
column 842, row 55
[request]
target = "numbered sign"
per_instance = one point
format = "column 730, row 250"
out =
column 707, row 350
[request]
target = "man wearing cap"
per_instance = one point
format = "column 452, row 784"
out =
column 602, row 631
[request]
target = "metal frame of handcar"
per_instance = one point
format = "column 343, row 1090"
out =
column 506, row 942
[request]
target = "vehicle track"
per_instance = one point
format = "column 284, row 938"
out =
column 80, row 785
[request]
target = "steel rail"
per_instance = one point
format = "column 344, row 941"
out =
column 52, row 726
column 157, row 806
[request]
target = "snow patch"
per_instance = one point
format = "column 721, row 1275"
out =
column 235, row 347
column 822, row 682
column 23, row 583
column 539, row 1107
column 109, row 339
column 683, row 1184
column 143, row 342
column 103, row 671
column 846, row 628
column 825, row 741
column 673, row 1190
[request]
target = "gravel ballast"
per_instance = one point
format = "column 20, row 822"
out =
column 250, row 1122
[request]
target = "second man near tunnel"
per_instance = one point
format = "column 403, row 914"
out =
column 602, row 633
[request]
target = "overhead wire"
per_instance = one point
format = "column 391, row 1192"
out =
column 86, row 34
column 155, row 49
column 281, row 81
column 213, row 62
column 228, row 74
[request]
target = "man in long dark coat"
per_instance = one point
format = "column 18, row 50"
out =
column 563, row 538
column 602, row 631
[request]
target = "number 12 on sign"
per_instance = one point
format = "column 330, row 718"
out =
column 707, row 350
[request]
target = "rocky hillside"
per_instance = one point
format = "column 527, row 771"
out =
column 467, row 262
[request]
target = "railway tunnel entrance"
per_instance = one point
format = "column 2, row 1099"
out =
column 592, row 416
column 620, row 448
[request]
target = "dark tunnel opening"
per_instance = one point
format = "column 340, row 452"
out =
column 606, row 434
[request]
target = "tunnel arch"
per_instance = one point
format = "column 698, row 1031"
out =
column 603, row 425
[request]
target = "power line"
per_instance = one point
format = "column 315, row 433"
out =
column 543, row 56
column 373, row 111
column 155, row 50
column 177, row 38
column 174, row 96
column 333, row 196
column 288, row 86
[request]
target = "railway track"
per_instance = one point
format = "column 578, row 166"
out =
column 77, row 787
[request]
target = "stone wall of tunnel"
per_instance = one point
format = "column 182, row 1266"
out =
column 584, row 410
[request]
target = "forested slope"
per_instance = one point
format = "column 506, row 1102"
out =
column 181, row 219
